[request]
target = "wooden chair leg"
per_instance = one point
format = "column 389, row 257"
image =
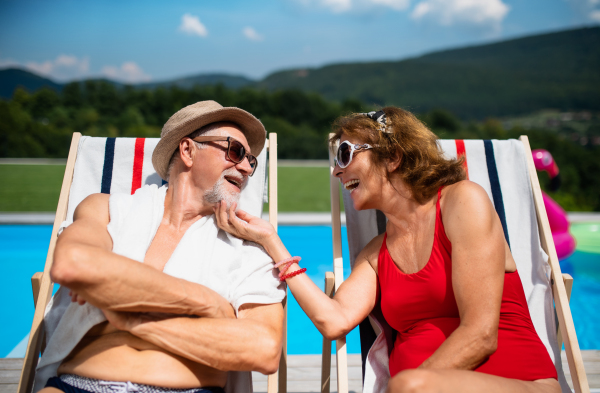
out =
column 326, row 360
column 568, row 280
column 36, row 284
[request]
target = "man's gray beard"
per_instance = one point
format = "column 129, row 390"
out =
column 219, row 191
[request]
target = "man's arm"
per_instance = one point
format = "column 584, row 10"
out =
column 84, row 262
column 250, row 343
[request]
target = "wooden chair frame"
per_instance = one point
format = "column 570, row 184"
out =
column 561, row 288
column 42, row 285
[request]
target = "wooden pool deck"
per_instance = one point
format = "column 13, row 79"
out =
column 304, row 373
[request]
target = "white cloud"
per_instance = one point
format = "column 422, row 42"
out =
column 190, row 24
column 589, row 9
column 252, row 34
column 64, row 67
column 339, row 6
column 488, row 13
column 398, row 5
column 129, row 72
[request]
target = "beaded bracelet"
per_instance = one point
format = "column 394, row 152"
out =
column 292, row 274
column 286, row 263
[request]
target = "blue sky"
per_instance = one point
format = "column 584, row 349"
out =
column 136, row 41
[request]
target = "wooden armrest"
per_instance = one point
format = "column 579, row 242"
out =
column 326, row 362
column 568, row 280
column 36, row 282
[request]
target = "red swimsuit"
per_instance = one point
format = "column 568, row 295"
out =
column 422, row 308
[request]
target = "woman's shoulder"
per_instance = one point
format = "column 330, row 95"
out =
column 464, row 193
column 465, row 204
column 370, row 253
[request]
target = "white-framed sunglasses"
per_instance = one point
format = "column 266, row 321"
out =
column 346, row 150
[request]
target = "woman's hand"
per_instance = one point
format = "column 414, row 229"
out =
column 243, row 225
column 76, row 298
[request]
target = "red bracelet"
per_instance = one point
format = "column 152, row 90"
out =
column 292, row 259
column 292, row 274
column 286, row 263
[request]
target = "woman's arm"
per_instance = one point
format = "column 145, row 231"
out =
column 478, row 265
column 335, row 317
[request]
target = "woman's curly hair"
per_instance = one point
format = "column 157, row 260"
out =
column 423, row 166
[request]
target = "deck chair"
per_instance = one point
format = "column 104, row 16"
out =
column 505, row 169
column 123, row 165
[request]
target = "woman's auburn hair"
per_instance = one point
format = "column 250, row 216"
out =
column 423, row 166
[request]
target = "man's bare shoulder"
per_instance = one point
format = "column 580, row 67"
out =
column 95, row 208
column 90, row 220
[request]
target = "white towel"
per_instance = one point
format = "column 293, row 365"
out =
column 239, row 271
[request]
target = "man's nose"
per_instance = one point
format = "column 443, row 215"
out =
column 244, row 166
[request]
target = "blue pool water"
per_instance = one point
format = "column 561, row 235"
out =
column 23, row 252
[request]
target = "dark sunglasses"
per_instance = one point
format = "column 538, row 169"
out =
column 236, row 152
column 346, row 151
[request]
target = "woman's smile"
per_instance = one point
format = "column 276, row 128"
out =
column 351, row 185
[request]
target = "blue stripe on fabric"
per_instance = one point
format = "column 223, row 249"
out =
column 109, row 159
column 495, row 184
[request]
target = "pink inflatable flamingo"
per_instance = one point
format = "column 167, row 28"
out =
column 559, row 224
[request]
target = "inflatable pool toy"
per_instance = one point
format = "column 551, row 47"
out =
column 559, row 224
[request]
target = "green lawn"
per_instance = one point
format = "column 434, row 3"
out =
column 31, row 188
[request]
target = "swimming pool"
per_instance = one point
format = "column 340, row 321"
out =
column 23, row 251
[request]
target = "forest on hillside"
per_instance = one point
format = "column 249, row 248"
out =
column 40, row 124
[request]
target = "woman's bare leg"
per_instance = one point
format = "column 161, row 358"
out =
column 454, row 381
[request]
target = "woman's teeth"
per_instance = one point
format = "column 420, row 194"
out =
column 351, row 184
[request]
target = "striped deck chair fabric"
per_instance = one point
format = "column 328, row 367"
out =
column 500, row 167
column 122, row 165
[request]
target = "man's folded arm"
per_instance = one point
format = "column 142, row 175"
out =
column 84, row 262
column 250, row 343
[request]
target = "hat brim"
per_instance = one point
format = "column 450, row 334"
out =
column 251, row 127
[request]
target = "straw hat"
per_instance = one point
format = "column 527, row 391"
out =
column 198, row 115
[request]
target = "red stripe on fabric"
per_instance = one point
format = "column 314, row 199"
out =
column 138, row 163
column 461, row 152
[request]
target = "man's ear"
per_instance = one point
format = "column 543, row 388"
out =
column 187, row 151
column 394, row 163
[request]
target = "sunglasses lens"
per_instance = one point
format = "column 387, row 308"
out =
column 343, row 155
column 236, row 151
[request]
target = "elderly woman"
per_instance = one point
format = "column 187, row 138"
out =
column 443, row 271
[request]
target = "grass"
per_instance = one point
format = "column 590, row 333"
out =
column 30, row 188
column 35, row 188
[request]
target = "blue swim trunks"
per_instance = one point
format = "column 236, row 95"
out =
column 69, row 383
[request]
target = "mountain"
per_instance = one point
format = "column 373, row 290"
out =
column 230, row 81
column 557, row 70
column 11, row 78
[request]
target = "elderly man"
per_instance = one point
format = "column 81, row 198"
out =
column 201, row 304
